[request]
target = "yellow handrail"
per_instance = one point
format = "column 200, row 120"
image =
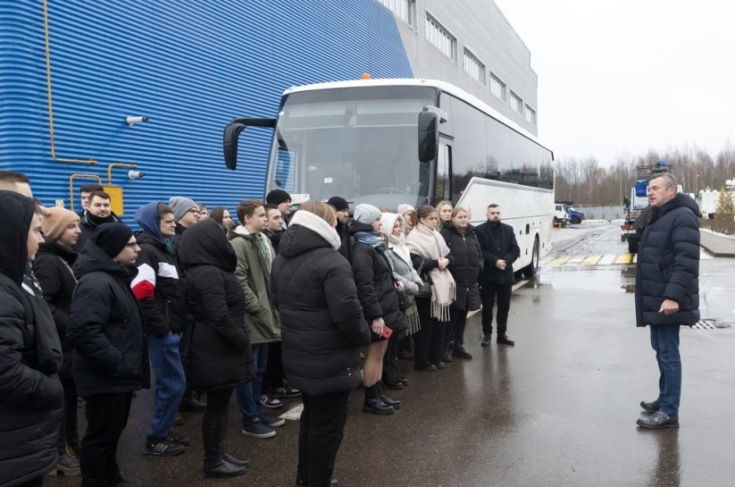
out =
column 71, row 185
column 50, row 97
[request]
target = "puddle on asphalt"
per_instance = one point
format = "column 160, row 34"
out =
column 593, row 278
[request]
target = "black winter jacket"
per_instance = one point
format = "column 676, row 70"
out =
column 88, row 223
column 53, row 268
column 375, row 284
column 466, row 266
column 159, row 287
column 31, row 396
column 220, row 345
column 668, row 264
column 274, row 237
column 106, row 327
column 322, row 324
column 497, row 244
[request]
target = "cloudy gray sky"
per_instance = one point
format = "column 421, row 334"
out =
column 625, row 76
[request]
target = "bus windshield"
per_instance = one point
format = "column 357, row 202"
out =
column 357, row 143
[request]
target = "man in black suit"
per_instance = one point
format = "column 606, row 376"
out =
column 499, row 250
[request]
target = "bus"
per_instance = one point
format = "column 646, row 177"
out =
column 416, row 141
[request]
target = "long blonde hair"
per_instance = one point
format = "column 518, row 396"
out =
column 322, row 210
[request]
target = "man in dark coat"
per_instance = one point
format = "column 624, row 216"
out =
column 52, row 266
column 32, row 398
column 98, row 211
column 667, row 290
column 107, row 331
column 499, row 251
column 342, row 207
column 160, row 291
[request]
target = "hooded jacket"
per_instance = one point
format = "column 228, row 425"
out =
column 322, row 321
column 158, row 284
column 668, row 264
column 497, row 243
column 466, row 267
column 106, row 327
column 253, row 272
column 31, row 395
column 220, row 345
column 374, row 278
column 53, row 268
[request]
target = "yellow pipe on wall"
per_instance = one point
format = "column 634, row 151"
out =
column 71, row 185
column 50, row 97
column 117, row 164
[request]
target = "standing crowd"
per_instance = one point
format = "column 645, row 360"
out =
column 266, row 305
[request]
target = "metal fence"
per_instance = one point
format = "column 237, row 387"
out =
column 602, row 212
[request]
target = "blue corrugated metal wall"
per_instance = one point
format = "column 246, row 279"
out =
column 190, row 66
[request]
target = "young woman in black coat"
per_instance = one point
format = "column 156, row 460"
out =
column 322, row 328
column 466, row 268
column 220, row 345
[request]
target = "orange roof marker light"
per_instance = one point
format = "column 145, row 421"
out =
column 365, row 76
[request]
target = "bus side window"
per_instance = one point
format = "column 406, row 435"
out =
column 443, row 177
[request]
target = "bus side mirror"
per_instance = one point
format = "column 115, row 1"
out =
column 428, row 135
column 232, row 134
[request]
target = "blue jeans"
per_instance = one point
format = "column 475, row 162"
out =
column 248, row 395
column 665, row 341
column 170, row 381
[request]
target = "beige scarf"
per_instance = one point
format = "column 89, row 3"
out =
column 430, row 245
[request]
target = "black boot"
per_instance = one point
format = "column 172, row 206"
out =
column 214, row 436
column 238, row 462
column 373, row 403
column 190, row 404
column 387, row 400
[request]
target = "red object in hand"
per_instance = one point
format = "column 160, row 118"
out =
column 387, row 332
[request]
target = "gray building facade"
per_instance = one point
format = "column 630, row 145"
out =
column 470, row 44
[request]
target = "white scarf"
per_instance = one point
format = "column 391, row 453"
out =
column 430, row 245
column 318, row 225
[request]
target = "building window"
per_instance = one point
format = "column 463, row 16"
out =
column 440, row 37
column 497, row 88
column 531, row 115
column 516, row 102
column 403, row 9
column 474, row 67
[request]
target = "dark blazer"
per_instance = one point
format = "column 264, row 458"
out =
column 497, row 244
column 106, row 327
column 466, row 266
column 668, row 264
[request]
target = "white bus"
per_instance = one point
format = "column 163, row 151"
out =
column 392, row 141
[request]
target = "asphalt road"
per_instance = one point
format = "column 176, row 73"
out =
column 557, row 409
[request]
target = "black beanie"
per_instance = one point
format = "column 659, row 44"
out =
column 277, row 196
column 112, row 238
column 338, row 203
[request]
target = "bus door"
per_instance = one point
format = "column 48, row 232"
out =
column 443, row 178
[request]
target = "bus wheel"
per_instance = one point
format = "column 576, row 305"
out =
column 531, row 269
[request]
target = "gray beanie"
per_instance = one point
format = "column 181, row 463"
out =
column 365, row 213
column 181, row 205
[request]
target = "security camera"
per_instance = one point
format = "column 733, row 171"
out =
column 133, row 120
column 136, row 174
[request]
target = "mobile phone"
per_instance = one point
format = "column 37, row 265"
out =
column 387, row 332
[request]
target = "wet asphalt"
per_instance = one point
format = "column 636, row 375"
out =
column 557, row 409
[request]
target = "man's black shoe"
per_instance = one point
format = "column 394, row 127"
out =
column 485, row 341
column 398, row 386
column 181, row 440
column 651, row 407
column 659, row 420
column 162, row 447
column 447, row 357
column 427, row 368
column 191, row 405
column 238, row 462
column 461, row 352
column 504, row 340
column 440, row 366
column 404, row 381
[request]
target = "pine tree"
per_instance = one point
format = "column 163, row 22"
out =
column 725, row 209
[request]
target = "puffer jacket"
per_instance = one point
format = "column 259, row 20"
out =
column 322, row 321
column 668, row 264
column 374, row 278
column 466, row 267
column 106, row 327
column 220, row 346
column 53, row 268
column 253, row 272
column 31, row 395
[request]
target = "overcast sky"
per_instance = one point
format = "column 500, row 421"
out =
column 621, row 77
